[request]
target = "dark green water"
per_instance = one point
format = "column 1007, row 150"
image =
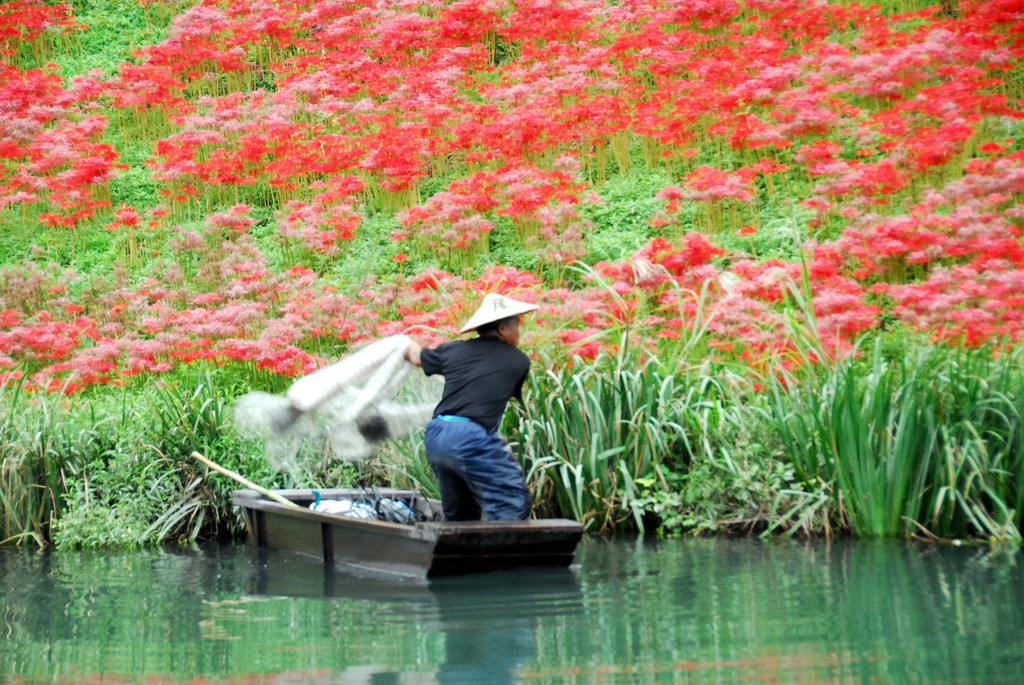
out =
column 679, row 611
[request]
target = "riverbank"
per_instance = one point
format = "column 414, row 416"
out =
column 776, row 252
column 926, row 445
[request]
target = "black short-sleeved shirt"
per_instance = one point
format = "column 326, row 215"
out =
column 480, row 376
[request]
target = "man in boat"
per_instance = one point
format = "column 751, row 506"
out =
column 476, row 470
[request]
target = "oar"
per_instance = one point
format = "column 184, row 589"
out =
column 244, row 481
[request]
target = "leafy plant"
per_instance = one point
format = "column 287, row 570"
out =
column 43, row 446
column 595, row 430
column 926, row 444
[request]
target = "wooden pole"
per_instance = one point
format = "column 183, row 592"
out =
column 244, row 481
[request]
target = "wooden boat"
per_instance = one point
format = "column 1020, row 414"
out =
column 427, row 548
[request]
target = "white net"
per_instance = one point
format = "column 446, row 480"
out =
column 343, row 411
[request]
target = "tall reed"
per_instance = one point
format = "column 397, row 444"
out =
column 41, row 447
column 114, row 467
column 592, row 431
column 926, row 443
column 979, row 470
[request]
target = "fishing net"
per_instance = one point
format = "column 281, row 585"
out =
column 343, row 411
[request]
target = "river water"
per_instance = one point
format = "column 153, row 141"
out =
column 721, row 610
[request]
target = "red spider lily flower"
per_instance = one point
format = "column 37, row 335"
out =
column 991, row 148
column 677, row 260
column 706, row 183
column 369, row 100
column 10, row 318
column 125, row 216
column 581, row 343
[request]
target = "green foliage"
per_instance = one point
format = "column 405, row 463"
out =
column 593, row 430
column 115, row 29
column 613, row 243
column 37, row 446
column 505, row 50
column 141, row 489
column 115, row 468
column 622, row 443
column 778, row 237
column 735, row 473
column 868, row 438
column 402, row 463
column 716, row 495
column 505, row 247
column 930, row 443
column 132, row 501
column 622, row 221
column 134, row 187
column 364, row 257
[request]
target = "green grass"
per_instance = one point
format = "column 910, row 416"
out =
column 593, row 431
column 113, row 467
column 927, row 444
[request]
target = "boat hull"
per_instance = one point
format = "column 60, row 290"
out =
column 424, row 549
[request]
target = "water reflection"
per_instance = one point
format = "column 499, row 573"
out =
column 752, row 611
column 694, row 611
column 486, row 623
column 490, row 621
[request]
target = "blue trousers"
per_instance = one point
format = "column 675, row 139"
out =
column 477, row 473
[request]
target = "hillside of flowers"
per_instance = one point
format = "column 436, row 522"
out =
column 776, row 244
column 264, row 184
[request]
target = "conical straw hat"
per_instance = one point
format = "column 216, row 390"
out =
column 495, row 308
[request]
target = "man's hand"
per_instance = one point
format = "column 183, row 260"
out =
column 412, row 353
